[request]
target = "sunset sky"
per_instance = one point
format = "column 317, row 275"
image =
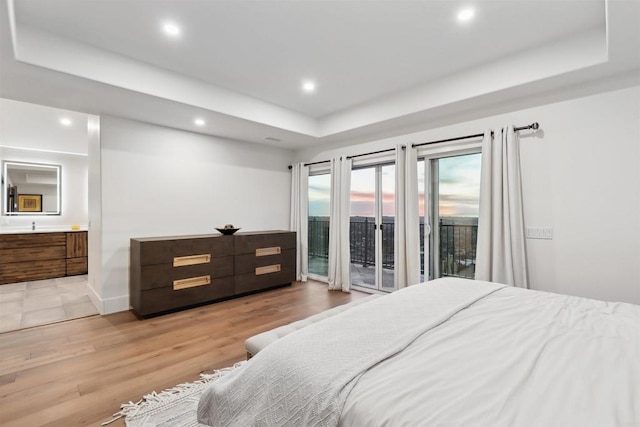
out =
column 459, row 189
column 459, row 185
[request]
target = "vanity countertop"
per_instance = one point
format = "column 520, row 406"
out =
column 43, row 229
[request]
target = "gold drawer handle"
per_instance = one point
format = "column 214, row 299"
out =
column 267, row 269
column 275, row 250
column 191, row 282
column 181, row 261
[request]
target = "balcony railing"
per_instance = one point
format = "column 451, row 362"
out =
column 458, row 250
column 457, row 244
column 362, row 242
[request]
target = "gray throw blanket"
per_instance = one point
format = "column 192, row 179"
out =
column 304, row 378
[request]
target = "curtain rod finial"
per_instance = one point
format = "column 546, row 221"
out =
column 290, row 167
column 535, row 126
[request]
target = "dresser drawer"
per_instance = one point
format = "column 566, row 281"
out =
column 163, row 299
column 247, row 263
column 253, row 282
column 163, row 275
column 264, row 243
column 164, row 251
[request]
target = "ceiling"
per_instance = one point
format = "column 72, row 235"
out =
column 380, row 67
column 36, row 127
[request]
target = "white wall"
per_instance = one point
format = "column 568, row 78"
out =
column 157, row 181
column 581, row 176
column 95, row 214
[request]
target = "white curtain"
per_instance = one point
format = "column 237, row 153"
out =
column 299, row 220
column 500, row 255
column 339, row 250
column 407, row 225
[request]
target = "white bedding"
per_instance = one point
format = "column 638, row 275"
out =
column 512, row 357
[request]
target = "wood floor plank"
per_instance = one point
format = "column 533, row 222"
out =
column 46, row 356
column 77, row 373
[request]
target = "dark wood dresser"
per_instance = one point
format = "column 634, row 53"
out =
column 170, row 273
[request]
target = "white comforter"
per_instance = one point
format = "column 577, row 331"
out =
column 450, row 352
column 514, row 358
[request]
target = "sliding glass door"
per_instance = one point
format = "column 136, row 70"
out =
column 372, row 222
column 450, row 186
column 449, row 214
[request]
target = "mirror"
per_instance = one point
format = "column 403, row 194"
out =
column 30, row 189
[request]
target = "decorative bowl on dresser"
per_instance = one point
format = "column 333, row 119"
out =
column 171, row 273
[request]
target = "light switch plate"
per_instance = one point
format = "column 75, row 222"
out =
column 540, row 233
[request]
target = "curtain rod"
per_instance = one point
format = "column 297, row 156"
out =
column 313, row 163
column 373, row 152
column 534, row 126
column 351, row 157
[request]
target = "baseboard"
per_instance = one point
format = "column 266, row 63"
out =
column 108, row 305
column 95, row 299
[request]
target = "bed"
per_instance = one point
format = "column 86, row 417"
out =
column 450, row 352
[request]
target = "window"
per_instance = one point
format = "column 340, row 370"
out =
column 318, row 226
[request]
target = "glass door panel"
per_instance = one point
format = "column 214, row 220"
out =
column 318, row 225
column 372, row 226
column 388, row 205
column 424, row 229
column 458, row 207
column 362, row 231
column 452, row 185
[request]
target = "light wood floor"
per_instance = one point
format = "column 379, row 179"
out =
column 78, row 372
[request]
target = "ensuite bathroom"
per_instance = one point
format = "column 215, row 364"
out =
column 45, row 165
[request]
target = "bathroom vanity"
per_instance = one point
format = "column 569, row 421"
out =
column 27, row 256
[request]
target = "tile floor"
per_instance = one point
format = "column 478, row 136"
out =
column 27, row 304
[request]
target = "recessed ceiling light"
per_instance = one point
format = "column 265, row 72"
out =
column 171, row 29
column 309, row 86
column 65, row 121
column 199, row 122
column 466, row 14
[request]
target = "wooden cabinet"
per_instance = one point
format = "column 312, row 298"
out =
column 77, row 248
column 37, row 256
column 169, row 273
